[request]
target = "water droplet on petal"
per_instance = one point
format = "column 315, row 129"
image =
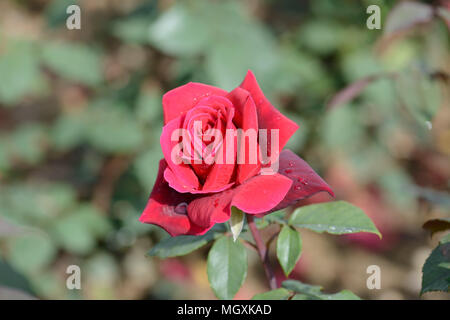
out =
column 291, row 164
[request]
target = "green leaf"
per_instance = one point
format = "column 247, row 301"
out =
column 13, row 279
column 244, row 44
column 36, row 203
column 395, row 184
column 148, row 106
column 181, row 30
column 78, row 231
column 19, row 72
column 311, row 292
column 32, row 252
column 181, row 245
column 226, row 64
column 277, row 216
column 261, row 223
column 322, row 36
column 420, row 95
column 27, row 143
column 112, row 129
column 274, row 217
column 133, row 30
column 300, row 137
column 236, row 222
column 301, row 287
column 436, row 277
column 143, row 169
column 68, row 131
column 340, row 126
column 338, row 217
column 342, row 295
column 74, row 62
column 289, row 248
column 277, row 294
column 227, row 267
column 445, row 265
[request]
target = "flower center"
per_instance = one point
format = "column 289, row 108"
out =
column 204, row 127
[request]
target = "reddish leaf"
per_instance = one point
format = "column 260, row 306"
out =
column 436, row 225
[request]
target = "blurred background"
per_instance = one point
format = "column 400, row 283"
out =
column 81, row 116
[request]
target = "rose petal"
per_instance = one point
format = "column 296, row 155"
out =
column 176, row 184
column 258, row 194
column 222, row 171
column 183, row 178
column 178, row 101
column 245, row 118
column 211, row 209
column 261, row 193
column 306, row 182
column 168, row 208
column 268, row 116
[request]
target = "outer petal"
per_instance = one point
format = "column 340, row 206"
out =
column 178, row 101
column 261, row 193
column 258, row 194
column 268, row 116
column 306, row 182
column 182, row 179
column 245, row 118
column 211, row 209
column 168, row 208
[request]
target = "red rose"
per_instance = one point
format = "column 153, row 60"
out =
column 221, row 149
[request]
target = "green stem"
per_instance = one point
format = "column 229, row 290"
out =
column 262, row 251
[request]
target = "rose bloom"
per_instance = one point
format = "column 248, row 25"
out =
column 190, row 196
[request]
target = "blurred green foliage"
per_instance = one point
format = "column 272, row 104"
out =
column 80, row 116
